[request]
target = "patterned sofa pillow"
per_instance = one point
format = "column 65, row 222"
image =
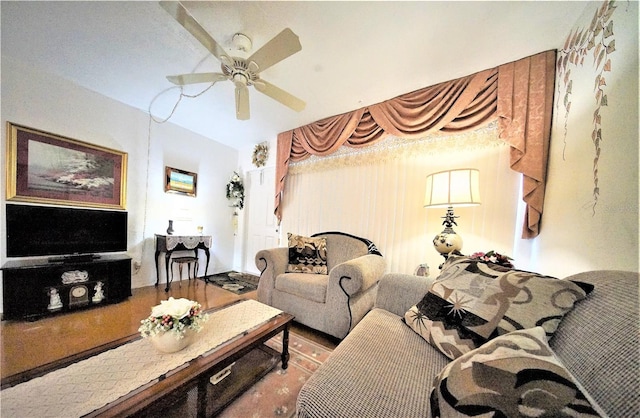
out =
column 307, row 255
column 460, row 264
column 471, row 303
column 513, row 375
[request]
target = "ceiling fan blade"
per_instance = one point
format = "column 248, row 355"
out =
column 195, row 78
column 284, row 44
column 242, row 101
column 280, row 95
column 182, row 16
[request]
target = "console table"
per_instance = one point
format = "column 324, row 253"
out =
column 167, row 244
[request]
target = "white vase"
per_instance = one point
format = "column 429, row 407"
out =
column 168, row 343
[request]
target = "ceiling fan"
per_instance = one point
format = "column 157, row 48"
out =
column 243, row 72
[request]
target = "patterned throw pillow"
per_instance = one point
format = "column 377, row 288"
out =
column 515, row 375
column 307, row 255
column 473, row 266
column 472, row 302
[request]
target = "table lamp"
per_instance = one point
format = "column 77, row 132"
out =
column 451, row 188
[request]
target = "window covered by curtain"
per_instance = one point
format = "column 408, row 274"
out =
column 518, row 94
column 378, row 192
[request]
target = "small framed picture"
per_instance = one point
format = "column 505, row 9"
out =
column 422, row 270
column 180, row 181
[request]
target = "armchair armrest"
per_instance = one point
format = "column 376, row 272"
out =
column 399, row 292
column 351, row 291
column 358, row 274
column 271, row 263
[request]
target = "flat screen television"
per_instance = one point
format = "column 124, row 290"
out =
column 62, row 231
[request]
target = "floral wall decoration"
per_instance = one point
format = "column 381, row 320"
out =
column 260, row 154
column 599, row 41
column 235, row 191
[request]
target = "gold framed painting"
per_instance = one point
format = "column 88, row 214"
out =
column 180, row 181
column 47, row 168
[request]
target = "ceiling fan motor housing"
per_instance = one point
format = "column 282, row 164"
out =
column 240, row 72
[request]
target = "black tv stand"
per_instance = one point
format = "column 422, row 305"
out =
column 74, row 258
column 29, row 286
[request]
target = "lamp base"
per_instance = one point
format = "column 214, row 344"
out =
column 447, row 242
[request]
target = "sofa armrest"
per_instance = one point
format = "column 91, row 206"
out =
column 358, row 274
column 271, row 263
column 399, row 292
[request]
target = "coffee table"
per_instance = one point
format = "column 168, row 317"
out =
column 188, row 385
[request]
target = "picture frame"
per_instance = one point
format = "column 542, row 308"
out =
column 43, row 167
column 180, row 181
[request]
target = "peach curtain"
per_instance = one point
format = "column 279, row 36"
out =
column 519, row 94
column 525, row 105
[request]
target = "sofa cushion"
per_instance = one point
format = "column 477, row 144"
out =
column 599, row 341
column 462, row 310
column 307, row 286
column 381, row 369
column 516, row 374
column 307, row 255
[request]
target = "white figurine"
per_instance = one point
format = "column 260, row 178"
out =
column 99, row 295
column 55, row 302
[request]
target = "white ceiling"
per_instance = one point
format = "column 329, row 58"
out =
column 353, row 53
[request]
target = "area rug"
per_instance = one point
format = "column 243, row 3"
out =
column 238, row 283
column 275, row 394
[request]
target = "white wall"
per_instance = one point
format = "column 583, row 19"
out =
column 43, row 101
column 574, row 236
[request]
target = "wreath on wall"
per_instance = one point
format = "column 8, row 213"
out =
column 235, row 191
column 260, row 154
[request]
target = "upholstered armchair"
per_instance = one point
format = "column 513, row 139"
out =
column 331, row 299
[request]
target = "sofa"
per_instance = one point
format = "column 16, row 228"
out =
column 328, row 281
column 384, row 368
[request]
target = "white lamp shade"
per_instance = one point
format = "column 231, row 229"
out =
column 453, row 188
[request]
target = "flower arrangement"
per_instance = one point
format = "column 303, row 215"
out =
column 494, row 257
column 235, row 191
column 173, row 315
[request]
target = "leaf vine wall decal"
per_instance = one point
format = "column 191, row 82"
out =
column 599, row 39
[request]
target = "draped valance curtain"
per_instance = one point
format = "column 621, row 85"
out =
column 518, row 94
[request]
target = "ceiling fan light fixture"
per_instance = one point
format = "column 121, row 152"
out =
column 241, row 42
column 239, row 79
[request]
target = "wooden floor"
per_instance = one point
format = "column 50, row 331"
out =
column 25, row 345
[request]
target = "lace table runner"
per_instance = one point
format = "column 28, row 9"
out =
column 90, row 384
